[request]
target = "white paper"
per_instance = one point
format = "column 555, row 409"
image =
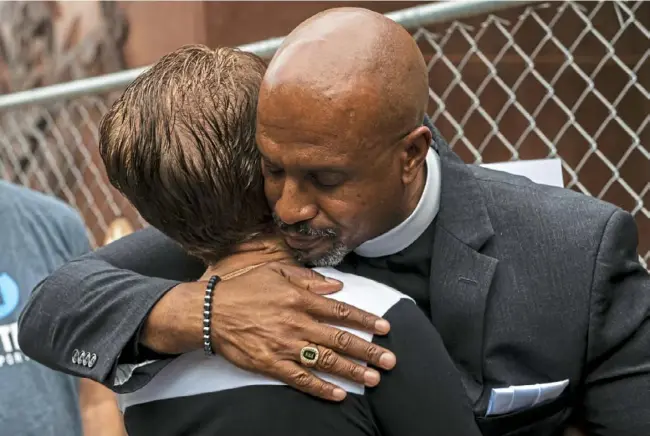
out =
column 543, row 171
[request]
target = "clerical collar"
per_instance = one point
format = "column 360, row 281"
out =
column 400, row 237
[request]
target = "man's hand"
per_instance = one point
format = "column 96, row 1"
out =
column 100, row 415
column 263, row 318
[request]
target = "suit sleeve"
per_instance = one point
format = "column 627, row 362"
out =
column 617, row 384
column 98, row 303
column 423, row 394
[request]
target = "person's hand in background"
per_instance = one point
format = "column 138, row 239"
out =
column 100, row 415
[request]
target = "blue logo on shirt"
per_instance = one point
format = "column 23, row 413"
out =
column 9, row 295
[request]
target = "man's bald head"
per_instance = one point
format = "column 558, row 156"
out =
column 339, row 127
column 355, row 62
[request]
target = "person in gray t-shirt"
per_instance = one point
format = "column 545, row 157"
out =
column 37, row 235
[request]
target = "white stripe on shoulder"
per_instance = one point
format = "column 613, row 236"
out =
column 364, row 293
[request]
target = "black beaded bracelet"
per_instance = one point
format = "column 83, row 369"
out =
column 207, row 315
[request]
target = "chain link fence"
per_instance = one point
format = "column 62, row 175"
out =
column 563, row 79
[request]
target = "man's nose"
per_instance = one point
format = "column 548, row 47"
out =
column 295, row 204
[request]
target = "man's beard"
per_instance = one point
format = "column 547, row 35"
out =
column 332, row 257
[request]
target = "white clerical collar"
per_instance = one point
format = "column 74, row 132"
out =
column 400, row 237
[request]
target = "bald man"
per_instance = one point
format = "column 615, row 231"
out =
column 537, row 292
column 344, row 149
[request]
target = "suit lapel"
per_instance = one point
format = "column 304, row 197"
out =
column 461, row 276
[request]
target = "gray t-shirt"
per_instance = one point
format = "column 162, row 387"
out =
column 37, row 235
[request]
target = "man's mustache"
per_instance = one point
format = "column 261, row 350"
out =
column 303, row 229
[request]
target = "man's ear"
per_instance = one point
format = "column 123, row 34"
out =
column 415, row 147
